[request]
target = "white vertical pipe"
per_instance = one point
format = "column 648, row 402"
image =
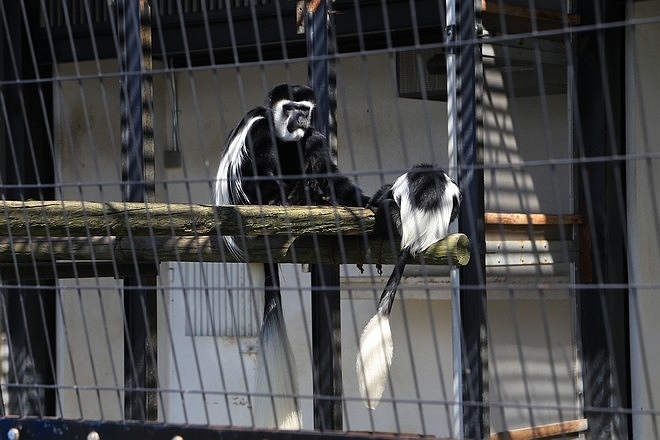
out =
column 635, row 336
column 452, row 153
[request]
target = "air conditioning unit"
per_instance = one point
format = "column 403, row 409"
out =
column 527, row 67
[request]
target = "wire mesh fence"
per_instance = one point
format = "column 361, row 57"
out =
column 161, row 250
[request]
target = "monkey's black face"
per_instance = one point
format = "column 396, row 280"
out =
column 292, row 119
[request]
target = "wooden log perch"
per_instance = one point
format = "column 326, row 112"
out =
column 54, row 231
column 453, row 249
column 83, row 219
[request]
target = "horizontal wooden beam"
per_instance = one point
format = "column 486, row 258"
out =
column 498, row 218
column 53, row 251
column 58, row 218
column 550, row 430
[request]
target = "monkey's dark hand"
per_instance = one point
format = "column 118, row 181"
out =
column 307, row 190
column 387, row 213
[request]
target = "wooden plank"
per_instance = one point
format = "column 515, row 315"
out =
column 543, row 431
column 498, row 218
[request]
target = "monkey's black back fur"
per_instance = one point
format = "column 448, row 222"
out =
column 426, row 191
column 427, row 188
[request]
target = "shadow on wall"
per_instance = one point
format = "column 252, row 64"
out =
column 521, row 136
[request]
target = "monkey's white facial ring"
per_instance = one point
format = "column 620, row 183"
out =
column 292, row 119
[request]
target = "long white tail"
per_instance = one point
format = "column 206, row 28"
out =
column 374, row 359
column 275, row 405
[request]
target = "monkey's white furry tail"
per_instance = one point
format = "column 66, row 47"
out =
column 276, row 405
column 374, row 359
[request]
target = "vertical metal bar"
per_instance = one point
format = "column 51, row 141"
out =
column 28, row 314
column 638, row 366
column 137, row 174
column 317, row 50
column 131, row 101
column 12, row 129
column 326, row 340
column 454, row 274
column 147, row 99
column 140, row 349
column 599, row 132
column 31, row 340
column 463, row 82
column 326, row 322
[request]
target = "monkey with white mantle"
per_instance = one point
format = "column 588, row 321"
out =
column 275, row 157
column 418, row 207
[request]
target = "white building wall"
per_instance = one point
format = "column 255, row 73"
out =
column 643, row 143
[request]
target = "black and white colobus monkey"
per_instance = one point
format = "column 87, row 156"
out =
column 275, row 157
column 419, row 207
